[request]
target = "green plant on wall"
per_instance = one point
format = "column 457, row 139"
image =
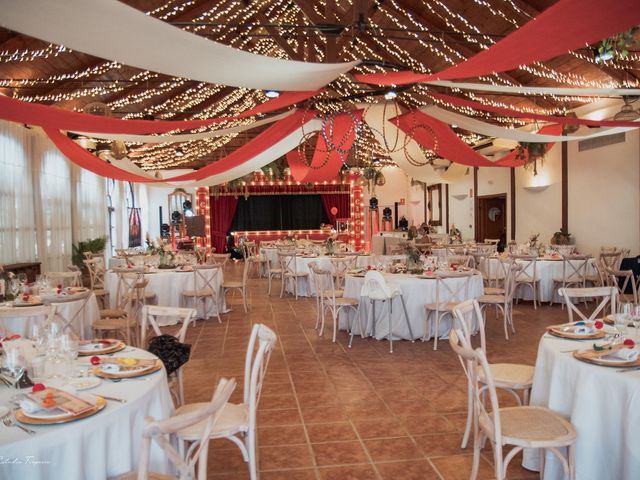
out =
column 617, row 46
column 535, row 153
column 94, row 245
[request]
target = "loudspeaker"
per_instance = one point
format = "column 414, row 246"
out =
column 195, row 226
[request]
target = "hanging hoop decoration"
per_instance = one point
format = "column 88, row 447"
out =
column 327, row 131
column 383, row 134
column 428, row 153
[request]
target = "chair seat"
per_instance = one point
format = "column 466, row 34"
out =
column 534, row 427
column 232, row 284
column 113, row 324
column 233, row 418
column 344, row 301
column 203, row 292
column 527, row 280
column 491, row 299
column 146, row 295
column 112, row 313
column 100, row 292
column 511, row 375
column 275, row 271
column 575, row 281
column 150, row 476
column 339, row 293
column 443, row 307
column 493, row 291
column 296, row 274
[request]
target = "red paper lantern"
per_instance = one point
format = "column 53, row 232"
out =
column 334, row 211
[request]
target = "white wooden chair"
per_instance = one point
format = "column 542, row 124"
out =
column 241, row 286
column 519, row 427
column 220, row 259
column 204, row 289
column 511, row 377
column 449, row 293
column 341, row 266
column 289, row 262
column 238, row 421
column 68, row 321
column 621, row 280
column 161, row 432
column 149, row 321
column 376, row 289
column 607, row 295
column 503, row 302
column 528, row 276
column 95, row 267
column 42, row 314
column 574, row 273
column 66, row 279
column 331, row 299
column 273, row 272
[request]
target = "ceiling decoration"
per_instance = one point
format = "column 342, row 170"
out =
column 423, row 36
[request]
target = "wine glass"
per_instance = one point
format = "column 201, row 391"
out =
column 15, row 287
column 38, row 337
column 14, row 362
column 623, row 318
column 635, row 317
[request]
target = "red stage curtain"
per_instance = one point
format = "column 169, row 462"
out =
column 565, row 26
column 463, row 102
column 223, row 208
column 342, row 201
column 55, row 118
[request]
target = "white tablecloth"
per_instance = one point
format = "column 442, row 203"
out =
column 383, row 244
column 168, row 285
column 602, row 404
column 18, row 320
column 103, row 445
column 416, row 293
column 546, row 271
column 324, row 262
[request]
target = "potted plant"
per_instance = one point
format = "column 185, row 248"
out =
column 535, row 153
column 561, row 237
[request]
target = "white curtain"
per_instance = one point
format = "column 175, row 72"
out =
column 17, row 217
column 45, row 204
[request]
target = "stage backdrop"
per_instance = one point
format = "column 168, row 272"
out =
column 279, row 212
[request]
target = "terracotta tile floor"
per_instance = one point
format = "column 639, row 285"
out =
column 330, row 412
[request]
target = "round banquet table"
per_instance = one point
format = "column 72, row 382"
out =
column 416, row 293
column 103, row 445
column 305, row 289
column 82, row 313
column 546, row 270
column 168, row 285
column 602, row 404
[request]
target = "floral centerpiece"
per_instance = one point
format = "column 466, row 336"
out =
column 535, row 247
column 330, row 244
column 413, row 258
column 200, row 254
column 454, row 234
column 163, row 249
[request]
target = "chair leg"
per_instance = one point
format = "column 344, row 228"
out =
column 390, row 326
column 334, row 314
column 467, row 428
column 437, row 330
column 373, row 321
column 477, row 445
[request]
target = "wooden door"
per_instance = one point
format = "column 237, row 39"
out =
column 491, row 220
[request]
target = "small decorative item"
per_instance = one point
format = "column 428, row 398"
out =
column 454, row 234
column 330, row 245
column 403, row 223
column 373, row 203
column 413, row 258
column 561, row 237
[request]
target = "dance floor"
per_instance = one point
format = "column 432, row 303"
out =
column 330, row 412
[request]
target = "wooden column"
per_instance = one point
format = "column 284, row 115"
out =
column 446, row 202
column 513, row 203
column 565, row 186
column 476, row 203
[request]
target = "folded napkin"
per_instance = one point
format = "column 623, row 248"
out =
column 626, row 354
column 29, row 406
column 110, row 368
column 584, row 330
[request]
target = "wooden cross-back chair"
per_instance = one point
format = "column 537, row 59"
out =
column 607, row 296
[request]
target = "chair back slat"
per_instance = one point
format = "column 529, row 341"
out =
column 149, row 320
column 607, row 295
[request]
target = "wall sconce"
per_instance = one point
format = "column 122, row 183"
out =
column 536, row 188
column 460, row 196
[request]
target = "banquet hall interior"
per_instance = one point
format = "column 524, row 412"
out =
column 324, row 239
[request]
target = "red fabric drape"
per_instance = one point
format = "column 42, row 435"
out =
column 273, row 134
column 222, row 210
column 463, row 102
column 510, row 160
column 342, row 201
column 326, row 163
column 55, row 118
column 565, row 26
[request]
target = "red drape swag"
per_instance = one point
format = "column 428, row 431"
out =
column 565, row 26
column 55, row 118
column 222, row 210
column 326, row 162
column 448, row 145
column 341, row 201
column 273, row 134
column 463, row 102
column 433, row 134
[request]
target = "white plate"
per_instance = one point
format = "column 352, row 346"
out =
column 85, row 383
column 128, row 371
column 56, row 412
column 95, row 347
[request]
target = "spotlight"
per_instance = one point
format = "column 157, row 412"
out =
column 272, row 93
column 390, row 94
column 453, row 125
column 179, row 152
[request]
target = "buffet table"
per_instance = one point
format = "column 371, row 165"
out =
column 167, row 285
column 83, row 311
column 601, row 403
column 103, row 445
column 416, row 293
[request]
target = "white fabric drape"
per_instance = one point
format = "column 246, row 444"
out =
column 17, row 217
column 115, row 31
column 522, row 90
column 44, row 204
